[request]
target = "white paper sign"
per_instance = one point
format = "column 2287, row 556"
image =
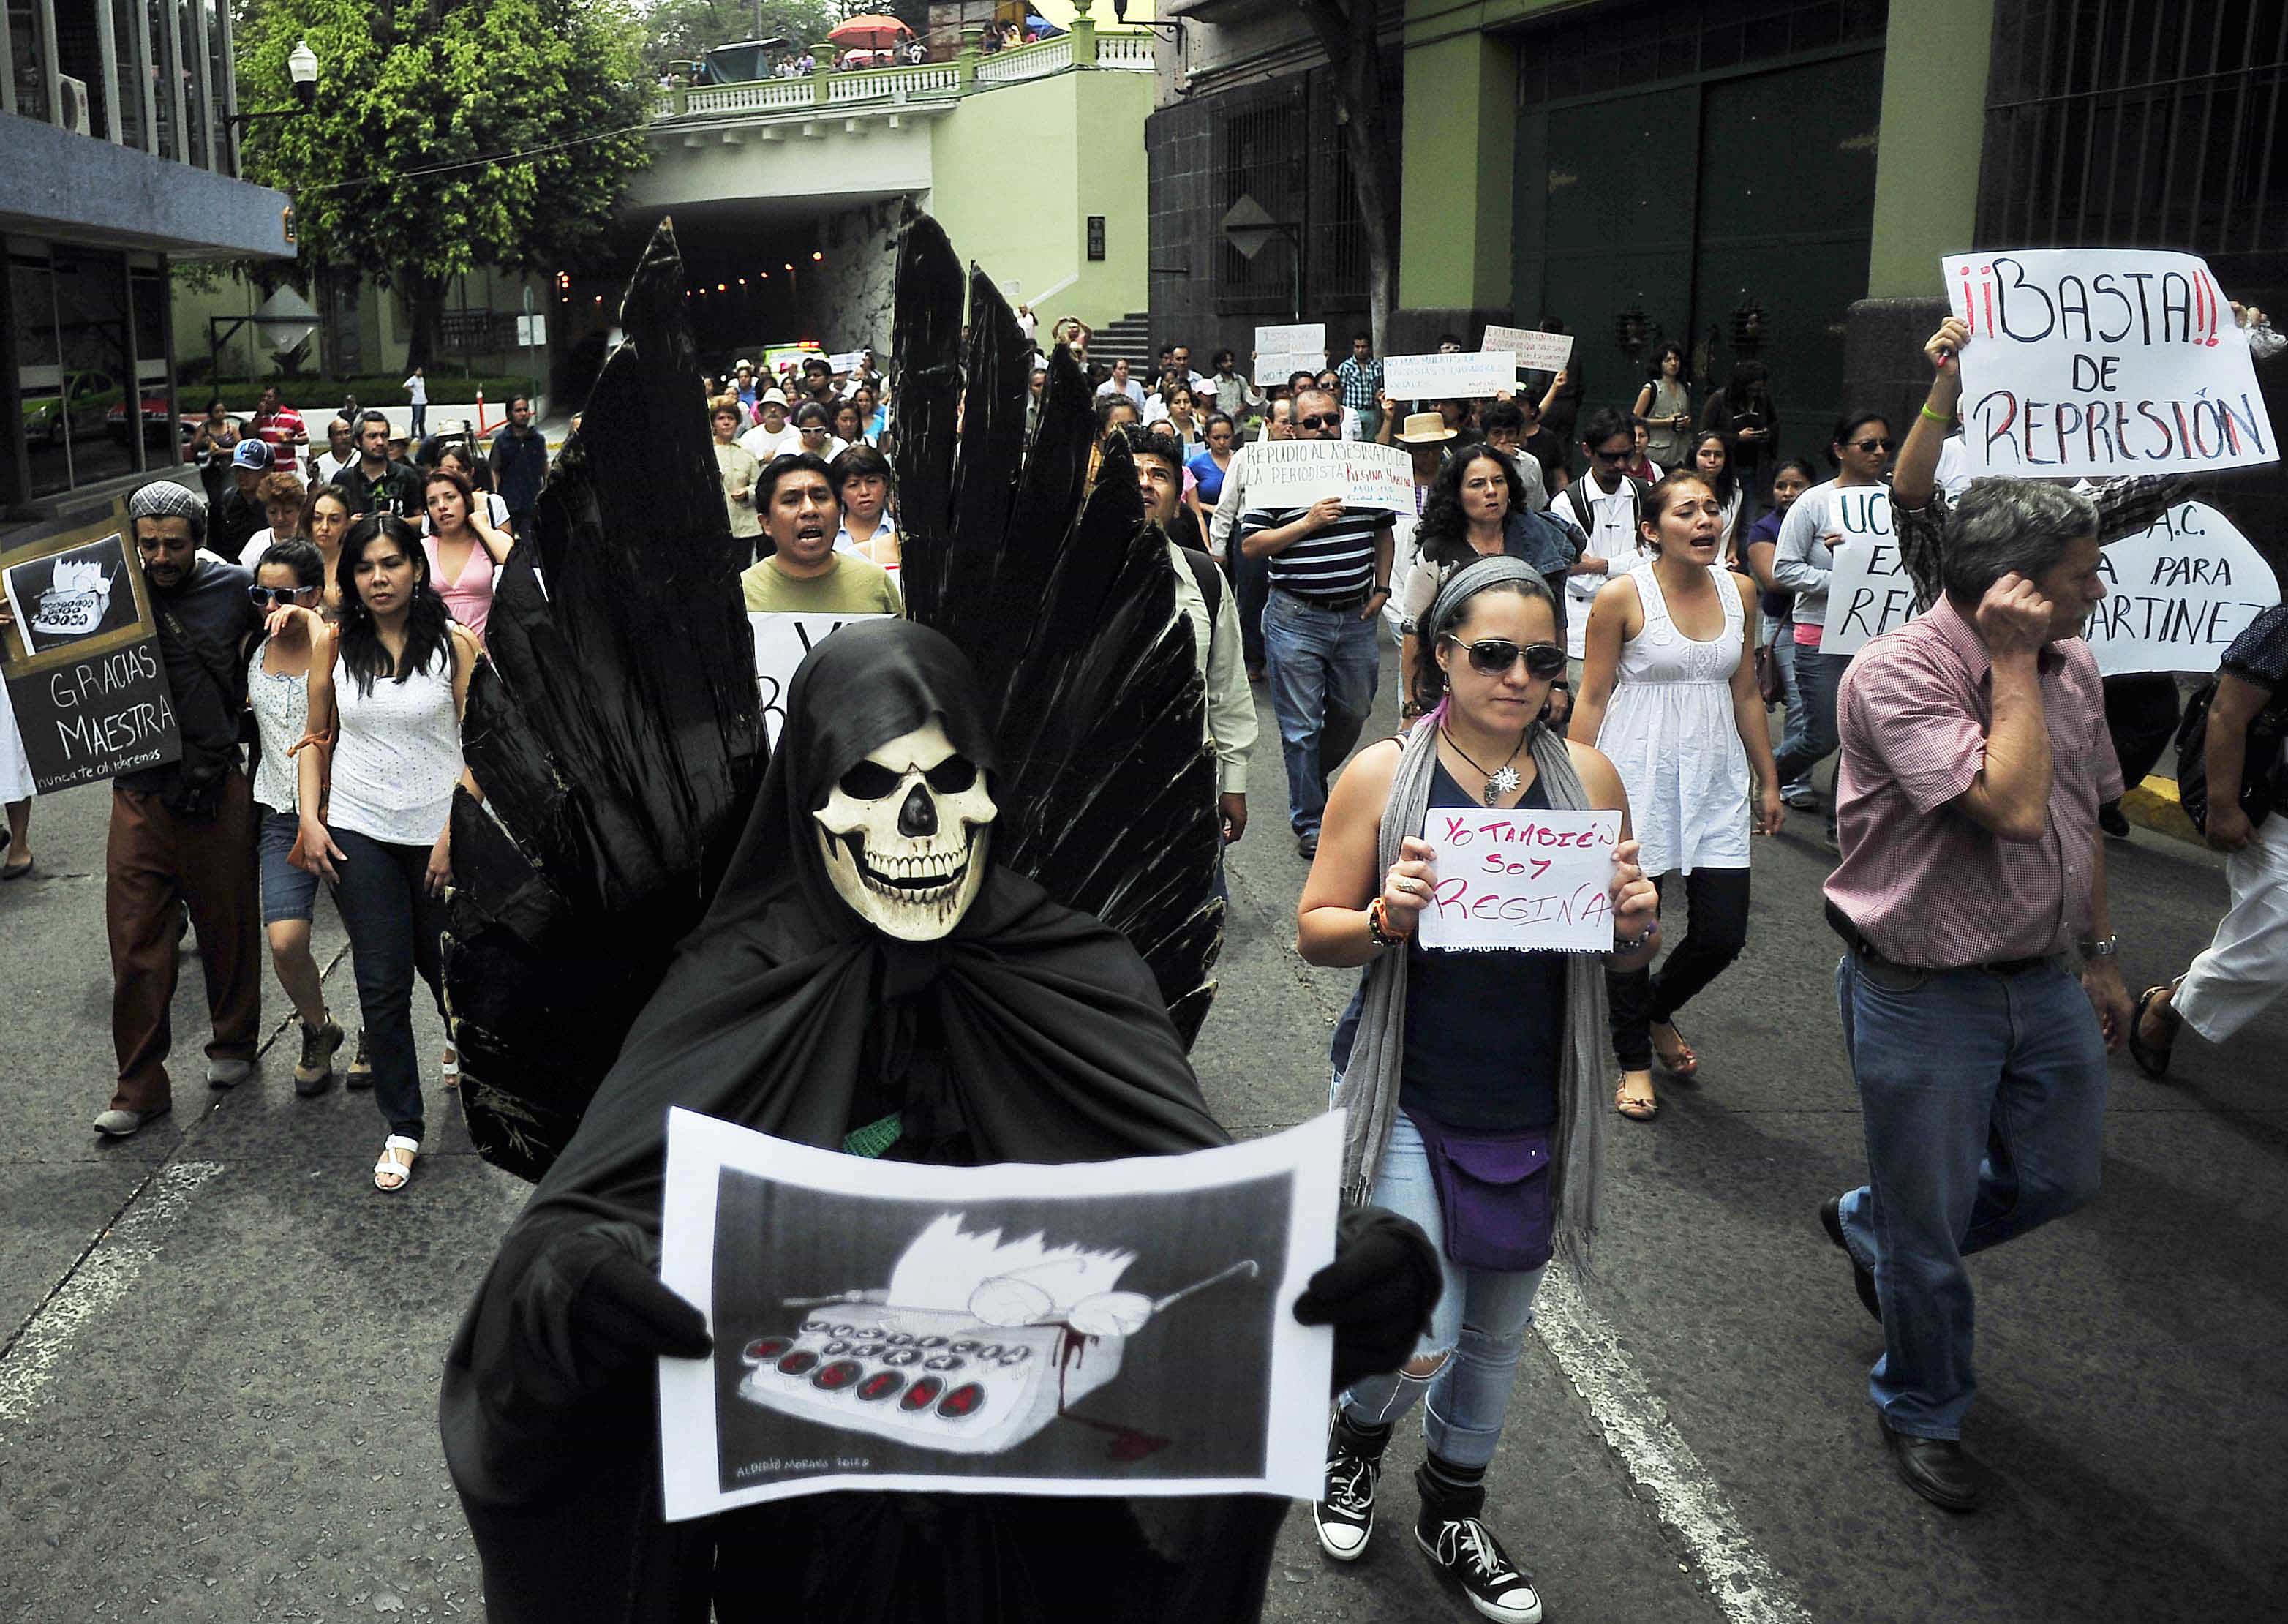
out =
column 2176, row 594
column 2103, row 362
column 1521, row 879
column 1868, row 593
column 1536, row 351
column 1302, row 336
column 1273, row 368
column 1457, row 375
column 1114, row 1328
column 1298, row 472
column 846, row 362
column 781, row 638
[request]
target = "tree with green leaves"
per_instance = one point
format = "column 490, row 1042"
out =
column 448, row 135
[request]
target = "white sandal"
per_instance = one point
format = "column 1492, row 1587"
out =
column 449, row 1068
column 391, row 1167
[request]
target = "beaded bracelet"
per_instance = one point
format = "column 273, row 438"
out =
column 1378, row 928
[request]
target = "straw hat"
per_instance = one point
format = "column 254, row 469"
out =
column 1423, row 428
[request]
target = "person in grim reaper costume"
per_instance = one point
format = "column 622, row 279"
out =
column 967, row 919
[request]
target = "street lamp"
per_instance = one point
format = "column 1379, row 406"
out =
column 302, row 72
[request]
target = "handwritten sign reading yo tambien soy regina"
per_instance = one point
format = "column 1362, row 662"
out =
column 2102, row 362
column 1521, row 878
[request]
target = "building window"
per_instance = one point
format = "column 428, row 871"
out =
column 1620, row 47
column 1258, row 153
column 75, row 368
column 2137, row 123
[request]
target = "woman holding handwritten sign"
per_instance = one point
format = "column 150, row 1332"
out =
column 1465, row 1075
column 1669, row 693
column 1853, row 509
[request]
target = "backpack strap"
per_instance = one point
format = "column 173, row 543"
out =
column 1206, row 577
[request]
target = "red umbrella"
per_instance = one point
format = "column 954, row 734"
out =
column 869, row 31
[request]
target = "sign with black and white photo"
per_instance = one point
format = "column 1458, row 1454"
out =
column 1113, row 1328
column 82, row 658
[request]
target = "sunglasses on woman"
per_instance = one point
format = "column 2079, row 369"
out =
column 1872, row 446
column 1492, row 656
column 277, row 597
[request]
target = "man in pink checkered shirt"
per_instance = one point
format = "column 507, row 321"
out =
column 1975, row 756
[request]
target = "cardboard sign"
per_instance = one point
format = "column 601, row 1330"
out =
column 781, row 640
column 1298, row 472
column 1114, row 1328
column 2176, row 594
column 85, row 676
column 1460, row 375
column 2103, row 362
column 1536, row 351
column 1282, row 352
column 1519, row 878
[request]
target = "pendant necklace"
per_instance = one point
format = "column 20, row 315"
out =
column 1499, row 783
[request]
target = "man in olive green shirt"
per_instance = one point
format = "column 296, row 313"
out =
column 801, row 572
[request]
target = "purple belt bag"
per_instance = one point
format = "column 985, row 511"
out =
column 1493, row 1193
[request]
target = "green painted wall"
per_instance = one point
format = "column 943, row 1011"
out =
column 1935, row 65
column 1015, row 173
column 1455, row 194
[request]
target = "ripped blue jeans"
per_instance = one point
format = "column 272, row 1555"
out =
column 1479, row 1324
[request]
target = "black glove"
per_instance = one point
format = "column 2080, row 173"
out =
column 619, row 1317
column 1378, row 1294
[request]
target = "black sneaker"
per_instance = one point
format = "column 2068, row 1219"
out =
column 1497, row 1587
column 315, row 1073
column 1345, row 1513
column 1307, row 844
column 361, row 1074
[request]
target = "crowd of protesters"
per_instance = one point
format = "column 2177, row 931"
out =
column 1596, row 604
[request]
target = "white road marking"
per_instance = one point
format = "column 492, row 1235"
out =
column 103, row 1275
column 1743, row 1582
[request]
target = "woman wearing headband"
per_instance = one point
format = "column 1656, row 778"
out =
column 1454, row 1060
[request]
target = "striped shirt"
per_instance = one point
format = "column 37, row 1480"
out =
column 1333, row 565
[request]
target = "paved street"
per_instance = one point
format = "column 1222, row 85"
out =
column 219, row 1384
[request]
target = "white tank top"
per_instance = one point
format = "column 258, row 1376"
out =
column 397, row 754
column 282, row 713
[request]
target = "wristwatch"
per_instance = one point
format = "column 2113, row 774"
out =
column 2108, row 948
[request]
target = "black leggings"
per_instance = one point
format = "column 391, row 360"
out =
column 1717, row 899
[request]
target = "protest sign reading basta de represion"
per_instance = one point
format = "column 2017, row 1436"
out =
column 2102, row 363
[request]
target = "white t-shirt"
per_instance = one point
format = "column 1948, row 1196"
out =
column 763, row 445
column 1954, row 474
column 331, row 468
column 1612, row 533
column 250, row 555
column 1133, row 390
column 417, row 389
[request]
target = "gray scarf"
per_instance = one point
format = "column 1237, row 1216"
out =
column 1368, row 1090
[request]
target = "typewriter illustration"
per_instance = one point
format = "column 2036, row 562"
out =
column 972, row 1348
column 78, row 595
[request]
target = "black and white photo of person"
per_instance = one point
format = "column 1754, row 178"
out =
column 68, row 597
column 1121, row 1337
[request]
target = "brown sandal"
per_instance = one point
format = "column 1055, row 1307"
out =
column 1634, row 1110
column 1686, row 1063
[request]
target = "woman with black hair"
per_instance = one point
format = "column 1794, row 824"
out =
column 1664, row 408
column 1712, row 460
column 388, row 683
column 1669, row 693
column 1853, row 509
column 1477, row 508
column 1480, row 1059
column 1742, row 409
column 1792, row 477
column 289, row 575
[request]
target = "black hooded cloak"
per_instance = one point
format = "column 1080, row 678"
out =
column 1031, row 1033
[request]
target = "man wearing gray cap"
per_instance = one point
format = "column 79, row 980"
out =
column 183, row 833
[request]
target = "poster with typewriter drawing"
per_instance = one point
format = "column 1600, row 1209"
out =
column 1119, row 1328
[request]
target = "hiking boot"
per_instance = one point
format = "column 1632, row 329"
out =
column 1451, row 1534
column 1345, row 1513
column 314, row 1073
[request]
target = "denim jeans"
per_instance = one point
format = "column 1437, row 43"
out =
column 1817, row 676
column 1791, row 735
column 394, row 928
column 1984, row 1103
column 1480, row 1323
column 1322, row 665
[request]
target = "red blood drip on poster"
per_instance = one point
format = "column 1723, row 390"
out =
column 1127, row 1442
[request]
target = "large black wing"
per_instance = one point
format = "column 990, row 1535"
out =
column 1064, row 600
column 613, row 732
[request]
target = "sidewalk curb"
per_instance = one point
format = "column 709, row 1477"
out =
column 2154, row 804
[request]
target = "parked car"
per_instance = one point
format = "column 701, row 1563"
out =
column 156, row 418
column 84, row 399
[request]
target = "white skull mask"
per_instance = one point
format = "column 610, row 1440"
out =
column 906, row 834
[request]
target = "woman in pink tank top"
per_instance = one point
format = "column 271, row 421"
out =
column 465, row 547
